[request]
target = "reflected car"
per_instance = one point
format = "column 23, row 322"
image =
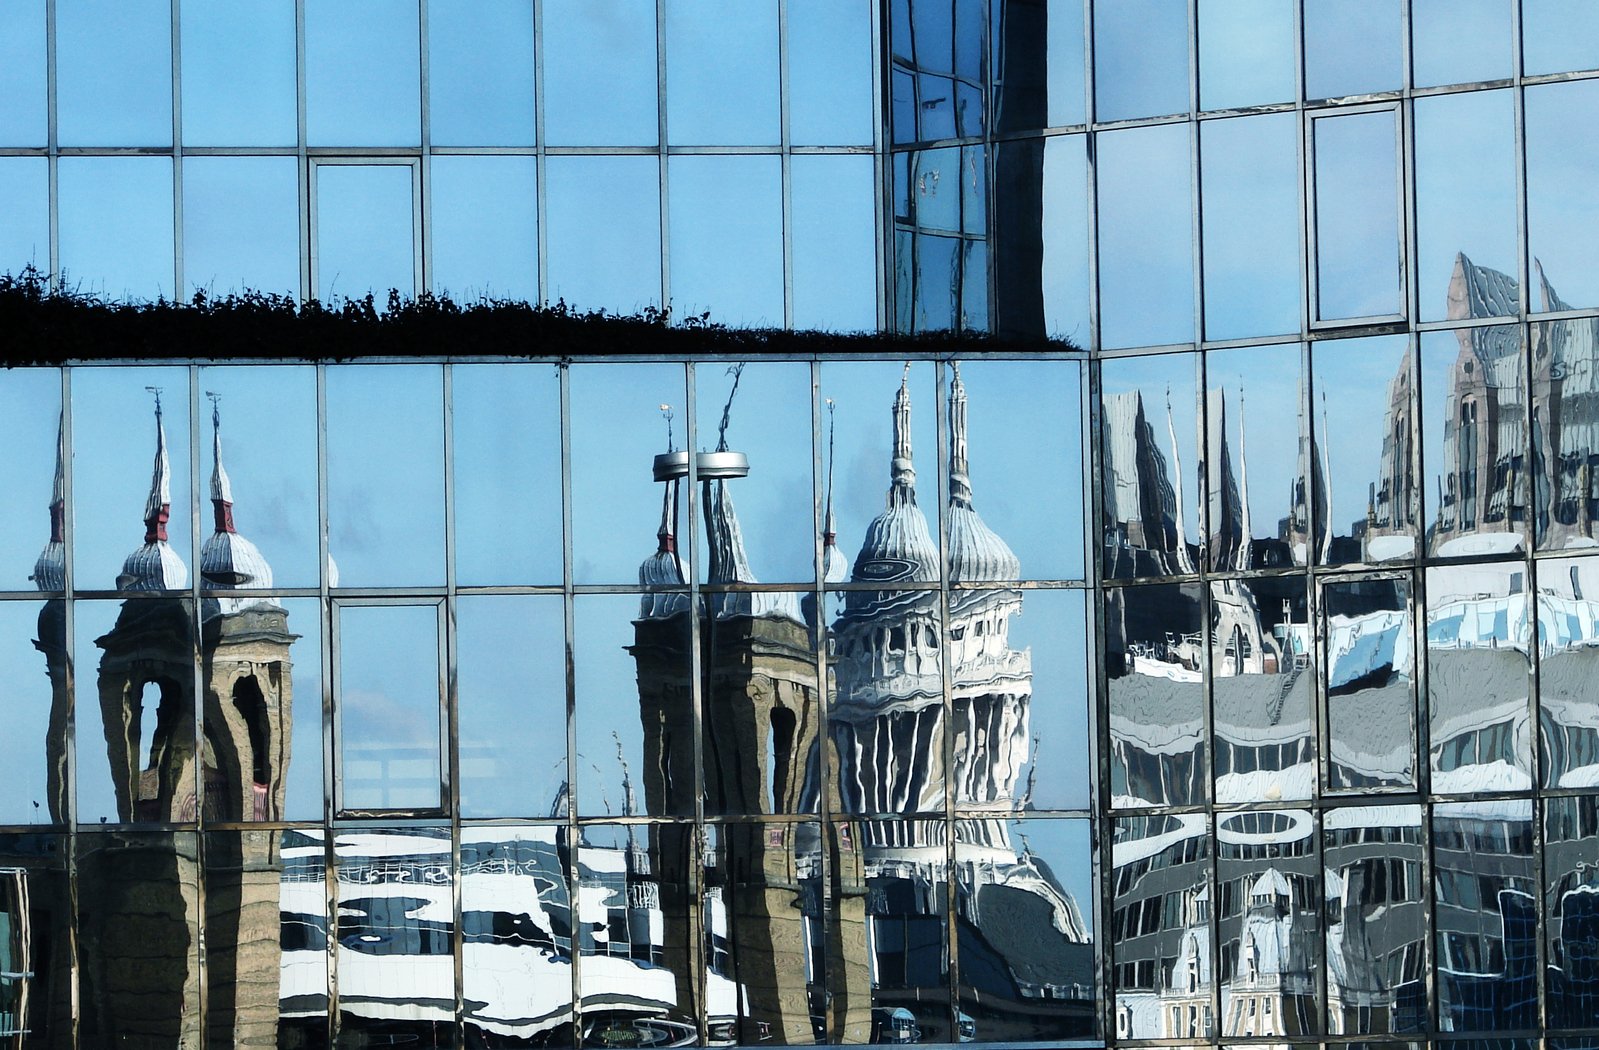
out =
column 895, row 1026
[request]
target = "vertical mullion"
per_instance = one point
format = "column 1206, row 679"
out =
column 541, row 271
column 330, row 635
column 884, row 172
column 665, row 204
column 175, row 17
column 69, row 628
column 307, row 185
column 698, row 978
column 53, row 153
column 786, row 145
column 571, row 830
column 819, row 632
column 450, row 756
column 422, row 193
column 947, row 698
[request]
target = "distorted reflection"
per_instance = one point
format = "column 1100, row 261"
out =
column 1146, row 531
column 1568, row 688
column 1269, row 923
column 1367, row 625
column 1571, row 910
column 37, row 957
column 1366, row 478
column 1565, row 431
column 1160, row 927
column 1261, row 703
column 1376, row 912
column 1486, row 915
column 1251, row 533
column 1478, row 676
column 1154, row 655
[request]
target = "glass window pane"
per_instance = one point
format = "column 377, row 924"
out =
column 888, row 705
column 1064, row 266
column 833, row 242
column 362, row 73
column 30, row 428
column 24, row 214
column 1372, row 880
column 1269, row 899
column 830, row 73
column 1485, row 915
column 241, row 225
column 485, row 227
column 1457, row 41
column 1053, row 626
column 303, row 786
column 1160, row 917
column 385, row 448
column 22, row 74
column 265, row 419
column 600, row 75
column 133, row 686
column 1571, row 837
column 721, row 72
column 1157, row 695
column 1358, row 249
column 604, row 239
column 396, row 948
column 1038, row 64
column 1246, row 53
column 36, row 876
column 387, row 721
column 130, row 481
column 511, row 687
column 1256, row 449
column 1365, row 471
column 1060, row 848
column 635, row 707
column 507, row 422
column 617, row 431
column 769, row 511
column 115, row 231
column 1140, row 58
column 1146, row 260
column 364, row 235
column 139, row 915
column 1260, row 645
column 1558, row 36
column 727, row 239
column 1479, row 669
column 480, row 72
column 1566, row 498
column 114, row 72
column 1474, row 438
column 1371, row 705
column 239, row 73
column 1466, row 206
column 33, row 788
column 1249, row 175
column 1567, row 692
column 1151, row 525
column 1352, row 47
column 1561, row 165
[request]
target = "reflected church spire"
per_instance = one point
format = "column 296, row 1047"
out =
column 50, row 570
column 156, row 566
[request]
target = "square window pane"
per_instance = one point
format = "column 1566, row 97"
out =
column 511, row 687
column 506, row 451
column 1558, row 36
column 1466, row 206
column 22, row 74
column 241, row 225
column 1358, row 249
column 1246, row 53
column 385, row 450
column 114, row 72
column 1352, row 47
column 604, row 239
column 833, row 242
column 1249, row 178
column 130, row 483
column 1146, row 258
column 364, row 234
column 600, row 75
column 1561, row 166
column 721, row 72
column 24, row 214
column 116, row 226
column 727, row 239
column 1140, row 58
column 239, row 73
column 386, row 724
column 831, row 79
column 485, row 227
column 1458, row 41
column 362, row 73
column 480, row 72
column 264, row 417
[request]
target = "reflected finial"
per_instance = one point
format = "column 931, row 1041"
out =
column 736, row 371
column 157, row 507
column 902, row 472
column 960, row 484
column 829, row 532
column 221, row 486
column 666, row 414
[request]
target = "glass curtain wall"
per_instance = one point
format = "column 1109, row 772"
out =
column 522, row 724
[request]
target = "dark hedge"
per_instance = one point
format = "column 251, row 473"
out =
column 41, row 325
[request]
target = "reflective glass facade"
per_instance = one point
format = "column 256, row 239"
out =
column 454, row 702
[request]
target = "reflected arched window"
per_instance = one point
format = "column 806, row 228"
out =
column 1466, row 458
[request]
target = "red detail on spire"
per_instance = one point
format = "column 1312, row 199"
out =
column 155, row 529
column 668, row 544
column 224, row 515
column 58, row 523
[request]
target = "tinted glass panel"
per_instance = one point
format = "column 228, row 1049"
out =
column 717, row 50
column 1568, row 695
column 1250, row 195
column 387, row 727
column 1353, row 47
column 1376, row 914
column 239, row 73
column 480, row 73
column 1365, row 472
column 1140, row 58
column 1558, row 35
column 1262, row 697
column 22, row 74
column 1160, row 918
column 1151, row 499
column 114, row 72
column 362, row 73
column 1559, row 164
column 1154, row 656
column 1571, row 835
column 485, row 227
column 1454, row 41
column 364, row 235
column 830, row 73
column 727, row 239
column 833, row 243
column 600, row 73
column 604, row 239
column 1371, row 710
column 1256, row 449
column 1146, row 259
column 24, row 214
column 241, row 222
column 1563, row 439
column 30, row 424
column 33, row 639
column 1358, row 249
column 1246, row 52
column 1052, row 629
column 116, row 225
